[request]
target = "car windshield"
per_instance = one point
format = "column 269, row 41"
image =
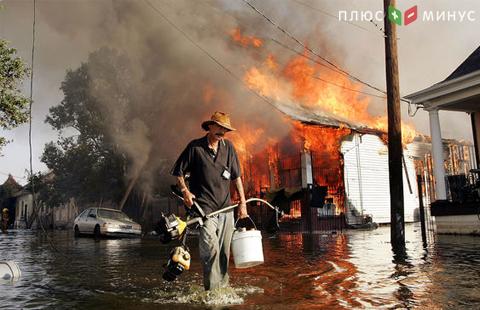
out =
column 112, row 214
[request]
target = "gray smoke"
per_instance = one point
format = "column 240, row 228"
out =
column 172, row 77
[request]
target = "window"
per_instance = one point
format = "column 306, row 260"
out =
column 92, row 211
column 83, row 214
column 112, row 214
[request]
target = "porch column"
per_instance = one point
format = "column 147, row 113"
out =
column 437, row 154
column 475, row 117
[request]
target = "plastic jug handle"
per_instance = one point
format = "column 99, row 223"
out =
column 250, row 221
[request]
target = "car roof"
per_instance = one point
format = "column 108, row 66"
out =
column 108, row 209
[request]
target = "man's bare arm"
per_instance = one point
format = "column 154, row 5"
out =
column 187, row 195
column 242, row 208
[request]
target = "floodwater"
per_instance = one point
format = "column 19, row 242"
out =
column 352, row 270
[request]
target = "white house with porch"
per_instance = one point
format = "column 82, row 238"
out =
column 460, row 92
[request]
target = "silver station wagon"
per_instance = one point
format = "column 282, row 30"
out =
column 105, row 222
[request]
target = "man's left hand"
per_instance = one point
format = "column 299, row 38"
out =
column 242, row 210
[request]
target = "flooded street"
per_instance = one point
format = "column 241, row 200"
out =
column 343, row 271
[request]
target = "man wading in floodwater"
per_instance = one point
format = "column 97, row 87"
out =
column 5, row 219
column 212, row 164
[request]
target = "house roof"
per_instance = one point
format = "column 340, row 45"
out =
column 321, row 118
column 460, row 91
column 471, row 64
column 12, row 183
column 311, row 116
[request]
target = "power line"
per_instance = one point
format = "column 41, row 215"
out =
column 338, row 69
column 274, row 40
column 211, row 56
column 324, row 65
column 305, row 56
column 346, row 88
column 15, row 176
column 336, row 17
column 311, row 50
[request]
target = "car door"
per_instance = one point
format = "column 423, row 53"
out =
column 81, row 220
column 91, row 220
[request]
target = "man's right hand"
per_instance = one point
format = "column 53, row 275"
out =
column 188, row 198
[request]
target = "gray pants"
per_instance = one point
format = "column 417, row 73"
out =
column 214, row 243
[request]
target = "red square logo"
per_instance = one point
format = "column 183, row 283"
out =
column 410, row 15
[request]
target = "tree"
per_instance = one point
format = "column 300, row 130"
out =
column 13, row 105
column 88, row 164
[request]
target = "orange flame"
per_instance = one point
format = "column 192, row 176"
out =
column 245, row 40
column 318, row 89
column 314, row 88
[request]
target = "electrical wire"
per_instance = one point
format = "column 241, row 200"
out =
column 211, row 56
column 15, row 176
column 303, row 55
column 322, row 64
column 285, row 46
column 337, row 19
column 277, row 42
column 338, row 69
column 346, row 88
column 287, row 33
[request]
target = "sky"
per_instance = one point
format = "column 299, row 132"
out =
column 67, row 31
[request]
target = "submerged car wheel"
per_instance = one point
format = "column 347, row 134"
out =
column 76, row 231
column 96, row 232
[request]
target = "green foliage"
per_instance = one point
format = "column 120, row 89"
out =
column 87, row 165
column 13, row 105
column 45, row 191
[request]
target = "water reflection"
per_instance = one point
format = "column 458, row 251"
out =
column 345, row 271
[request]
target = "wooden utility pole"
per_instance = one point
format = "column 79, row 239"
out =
column 395, row 151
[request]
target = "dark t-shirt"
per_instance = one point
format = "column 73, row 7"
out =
column 210, row 174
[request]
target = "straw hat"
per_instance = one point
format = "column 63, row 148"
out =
column 219, row 118
column 5, row 210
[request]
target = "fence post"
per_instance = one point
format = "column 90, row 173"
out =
column 422, row 210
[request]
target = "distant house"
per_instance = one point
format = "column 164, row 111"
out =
column 23, row 207
column 50, row 217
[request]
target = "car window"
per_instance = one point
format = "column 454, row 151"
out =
column 112, row 214
column 83, row 214
column 93, row 211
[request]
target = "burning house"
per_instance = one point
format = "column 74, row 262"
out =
column 331, row 170
column 330, row 174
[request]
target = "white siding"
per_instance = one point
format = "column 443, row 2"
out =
column 366, row 180
column 23, row 209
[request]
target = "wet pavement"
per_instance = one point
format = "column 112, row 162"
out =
column 352, row 270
